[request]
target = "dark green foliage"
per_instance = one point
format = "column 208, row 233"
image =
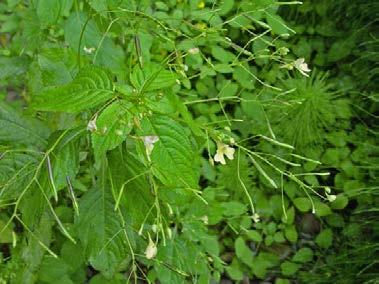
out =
column 188, row 141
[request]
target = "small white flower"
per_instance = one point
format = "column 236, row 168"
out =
column 256, row 218
column 169, row 233
column 331, row 197
column 88, row 50
column 91, row 126
column 327, row 189
column 205, row 219
column 149, row 141
column 283, row 51
column 223, row 149
column 154, row 228
column 193, row 50
column 302, row 66
column 151, row 249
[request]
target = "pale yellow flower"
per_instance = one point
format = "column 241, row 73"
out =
column 256, row 218
column 193, row 50
column 149, row 141
column 302, row 66
column 151, row 249
column 331, row 197
column 223, row 149
column 91, row 126
column 205, row 219
column 88, row 50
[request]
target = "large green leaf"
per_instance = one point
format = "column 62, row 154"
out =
column 16, row 170
column 12, row 66
column 173, row 155
column 131, row 176
column 101, row 232
column 113, row 125
column 15, row 128
column 88, row 34
column 152, row 77
column 91, row 87
column 31, row 252
column 48, row 11
column 65, row 157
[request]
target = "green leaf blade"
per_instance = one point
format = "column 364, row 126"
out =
column 173, row 154
column 91, row 87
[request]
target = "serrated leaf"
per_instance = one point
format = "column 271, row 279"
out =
column 325, row 238
column 289, row 268
column 291, row 234
column 100, row 231
column 340, row 202
column 303, row 255
column 173, row 155
column 6, row 235
column 113, row 126
column 107, row 52
column 322, row 209
column 54, row 270
column 12, row 66
column 32, row 253
column 127, row 170
column 303, row 204
column 48, row 11
column 65, row 157
column 243, row 252
column 16, row 170
column 152, row 77
column 91, row 87
column 278, row 26
column 254, row 236
column 98, row 5
column 15, row 128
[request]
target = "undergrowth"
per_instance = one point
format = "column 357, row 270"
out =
column 187, row 142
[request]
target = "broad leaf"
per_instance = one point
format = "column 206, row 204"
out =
column 100, row 230
column 16, row 170
column 12, row 66
column 91, row 87
column 113, row 125
column 107, row 52
column 65, row 157
column 152, row 77
column 48, row 11
column 173, row 155
column 136, row 198
column 17, row 129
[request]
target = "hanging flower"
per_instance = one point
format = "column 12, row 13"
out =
column 302, row 66
column 149, row 141
column 88, row 50
column 91, row 126
column 151, row 249
column 223, row 149
column 193, row 50
column 205, row 219
column 256, row 218
column 331, row 197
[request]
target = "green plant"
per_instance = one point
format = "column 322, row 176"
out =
column 174, row 142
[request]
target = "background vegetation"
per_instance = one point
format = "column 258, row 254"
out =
column 188, row 141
